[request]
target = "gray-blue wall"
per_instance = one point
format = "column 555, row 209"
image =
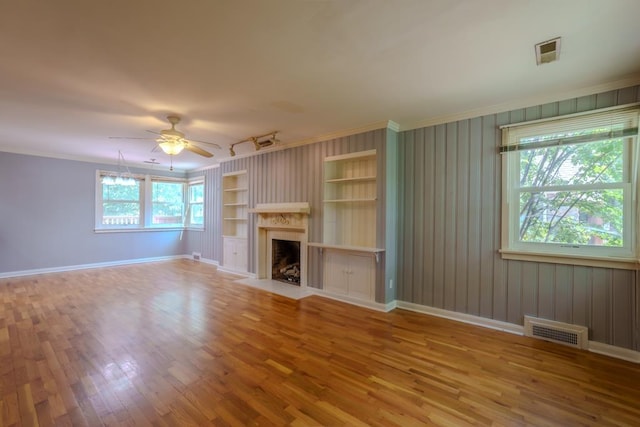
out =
column 208, row 242
column 450, row 190
column 445, row 183
column 47, row 211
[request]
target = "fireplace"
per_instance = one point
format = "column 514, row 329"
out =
column 285, row 261
column 282, row 236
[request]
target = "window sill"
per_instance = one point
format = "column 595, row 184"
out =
column 604, row 262
column 135, row 230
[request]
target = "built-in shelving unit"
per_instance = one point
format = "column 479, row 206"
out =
column 235, row 204
column 235, row 198
column 350, row 208
column 350, row 195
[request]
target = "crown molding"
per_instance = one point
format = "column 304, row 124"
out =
column 83, row 159
column 545, row 98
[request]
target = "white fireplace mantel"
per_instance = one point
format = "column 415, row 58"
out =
column 289, row 221
column 277, row 208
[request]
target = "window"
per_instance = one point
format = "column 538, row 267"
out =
column 569, row 186
column 121, row 203
column 167, row 201
column 195, row 210
column 140, row 202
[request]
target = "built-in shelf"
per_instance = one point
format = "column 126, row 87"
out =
column 235, row 204
column 355, row 179
column 350, row 195
column 346, row 247
column 349, row 200
column 348, row 250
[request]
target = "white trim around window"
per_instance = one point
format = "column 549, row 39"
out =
column 569, row 189
column 135, row 207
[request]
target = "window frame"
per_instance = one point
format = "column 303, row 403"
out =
column 146, row 204
column 592, row 255
column 189, row 204
column 149, row 216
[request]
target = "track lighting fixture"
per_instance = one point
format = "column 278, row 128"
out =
column 260, row 141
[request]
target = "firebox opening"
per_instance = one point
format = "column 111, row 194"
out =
column 285, row 258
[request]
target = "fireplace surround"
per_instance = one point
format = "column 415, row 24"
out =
column 281, row 221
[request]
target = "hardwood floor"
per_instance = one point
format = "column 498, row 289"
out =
column 178, row 343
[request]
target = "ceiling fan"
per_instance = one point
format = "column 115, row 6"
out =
column 172, row 141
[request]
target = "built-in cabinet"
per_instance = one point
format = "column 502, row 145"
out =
column 350, row 204
column 349, row 273
column 234, row 253
column 235, row 199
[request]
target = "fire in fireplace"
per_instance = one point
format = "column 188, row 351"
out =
column 285, row 259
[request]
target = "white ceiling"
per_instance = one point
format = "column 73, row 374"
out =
column 74, row 72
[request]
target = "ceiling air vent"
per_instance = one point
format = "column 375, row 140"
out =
column 548, row 51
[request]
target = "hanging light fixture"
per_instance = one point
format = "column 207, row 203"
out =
column 121, row 177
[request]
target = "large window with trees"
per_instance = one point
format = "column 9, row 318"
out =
column 569, row 187
column 141, row 201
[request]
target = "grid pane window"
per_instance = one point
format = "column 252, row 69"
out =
column 570, row 191
column 167, row 203
column 121, row 204
column 196, row 204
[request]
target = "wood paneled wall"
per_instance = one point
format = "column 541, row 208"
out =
column 293, row 175
column 449, row 234
column 209, row 241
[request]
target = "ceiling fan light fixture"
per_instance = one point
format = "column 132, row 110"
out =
column 172, row 147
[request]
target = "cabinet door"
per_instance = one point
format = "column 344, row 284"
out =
column 361, row 274
column 335, row 272
column 228, row 253
column 242, row 249
column 234, row 254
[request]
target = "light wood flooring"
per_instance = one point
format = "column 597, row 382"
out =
column 178, row 343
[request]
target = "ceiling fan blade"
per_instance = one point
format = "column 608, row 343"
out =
column 197, row 150
column 154, row 132
column 208, row 143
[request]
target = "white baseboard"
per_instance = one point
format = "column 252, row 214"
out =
column 204, row 260
column 354, row 301
column 88, row 266
column 464, row 318
column 613, row 351
column 236, row 272
column 594, row 347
